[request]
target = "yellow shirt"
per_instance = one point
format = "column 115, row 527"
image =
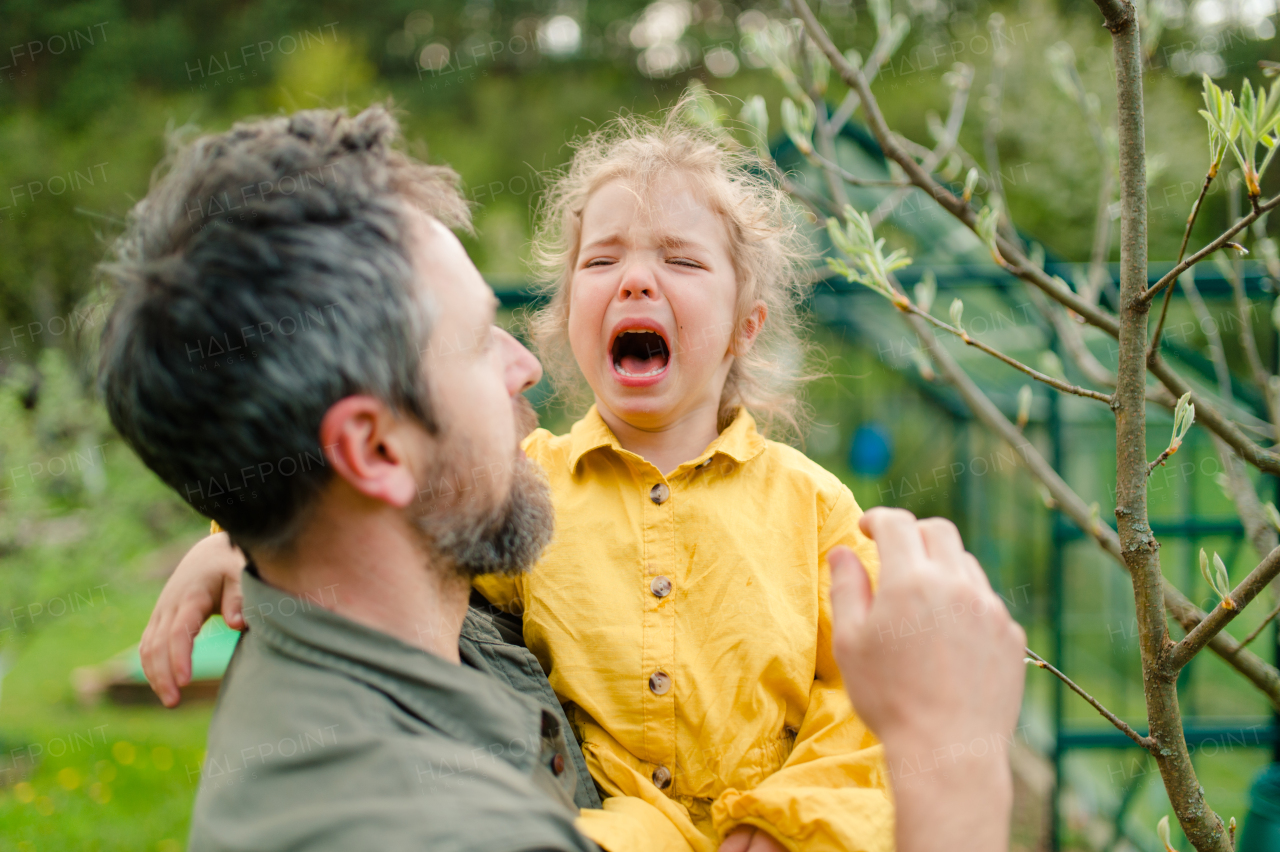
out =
column 685, row 622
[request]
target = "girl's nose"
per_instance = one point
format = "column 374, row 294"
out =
column 638, row 282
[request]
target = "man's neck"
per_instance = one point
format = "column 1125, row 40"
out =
column 368, row 566
column 667, row 445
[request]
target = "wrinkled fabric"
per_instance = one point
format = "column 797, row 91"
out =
column 756, row 728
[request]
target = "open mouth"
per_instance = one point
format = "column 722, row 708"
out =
column 640, row 353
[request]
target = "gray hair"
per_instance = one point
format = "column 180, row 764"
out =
column 265, row 277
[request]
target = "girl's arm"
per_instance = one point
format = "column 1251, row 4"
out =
column 206, row 582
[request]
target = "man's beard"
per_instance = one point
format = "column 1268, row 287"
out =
column 474, row 534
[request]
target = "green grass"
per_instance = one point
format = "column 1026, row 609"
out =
column 110, row 777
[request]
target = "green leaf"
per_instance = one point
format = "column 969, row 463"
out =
column 1025, row 398
column 798, row 122
column 1162, row 831
column 926, row 289
column 1223, row 584
column 755, row 115
column 957, row 313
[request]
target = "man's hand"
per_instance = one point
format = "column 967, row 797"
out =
column 206, row 582
column 748, row 838
column 934, row 665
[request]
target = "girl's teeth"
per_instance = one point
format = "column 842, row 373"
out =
column 623, row 370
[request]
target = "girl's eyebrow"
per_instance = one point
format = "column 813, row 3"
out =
column 675, row 242
column 610, row 240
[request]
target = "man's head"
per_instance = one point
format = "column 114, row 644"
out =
column 292, row 306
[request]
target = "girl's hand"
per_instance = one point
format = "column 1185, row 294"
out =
column 748, row 838
column 206, row 582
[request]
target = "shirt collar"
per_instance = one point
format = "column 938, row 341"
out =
column 463, row 703
column 740, row 440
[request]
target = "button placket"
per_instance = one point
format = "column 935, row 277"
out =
column 658, row 641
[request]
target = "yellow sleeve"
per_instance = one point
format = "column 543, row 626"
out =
column 832, row 793
column 506, row 593
column 214, row 529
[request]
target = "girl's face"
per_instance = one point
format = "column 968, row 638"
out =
column 651, row 305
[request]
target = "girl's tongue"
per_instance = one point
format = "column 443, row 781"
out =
column 640, row 353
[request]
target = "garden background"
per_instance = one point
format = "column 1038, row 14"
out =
column 89, row 91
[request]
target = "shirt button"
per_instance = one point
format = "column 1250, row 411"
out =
column 660, row 683
column 557, row 764
column 659, row 493
column 660, row 586
column 662, row 777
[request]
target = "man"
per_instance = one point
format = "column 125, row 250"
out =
column 303, row 350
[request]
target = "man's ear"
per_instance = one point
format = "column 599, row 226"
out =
column 750, row 327
column 368, row 446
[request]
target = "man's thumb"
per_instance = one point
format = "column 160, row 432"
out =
column 850, row 586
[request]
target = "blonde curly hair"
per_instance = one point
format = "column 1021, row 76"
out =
column 768, row 249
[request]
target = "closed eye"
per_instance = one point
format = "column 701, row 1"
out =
column 684, row 261
column 598, row 261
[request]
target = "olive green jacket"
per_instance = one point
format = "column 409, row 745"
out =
column 329, row 735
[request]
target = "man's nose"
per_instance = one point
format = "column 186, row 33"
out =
column 522, row 369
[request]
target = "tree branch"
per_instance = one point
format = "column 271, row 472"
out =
column 1225, row 612
column 1263, row 675
column 854, row 180
column 1195, row 210
column 1225, row 237
column 1066, row 387
column 1258, row 671
column 1146, row 742
column 1018, row 264
column 1139, row 547
column 1213, row 420
column 1257, row 630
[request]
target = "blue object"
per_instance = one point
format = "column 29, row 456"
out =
column 871, row 452
column 1261, row 830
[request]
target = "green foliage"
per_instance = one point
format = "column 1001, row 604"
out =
column 871, row 266
column 75, row 503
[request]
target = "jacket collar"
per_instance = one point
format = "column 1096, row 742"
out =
column 739, row 441
column 457, row 700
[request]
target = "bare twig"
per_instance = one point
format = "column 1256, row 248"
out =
column 950, row 135
column 1257, row 525
column 1160, row 459
column 1195, row 211
column 1217, row 351
column 1249, row 343
column 1223, row 614
column 1066, row 387
column 854, row 180
column 1258, row 630
column 1146, row 742
column 1070, row 334
column 1223, row 239
column 1164, row 312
